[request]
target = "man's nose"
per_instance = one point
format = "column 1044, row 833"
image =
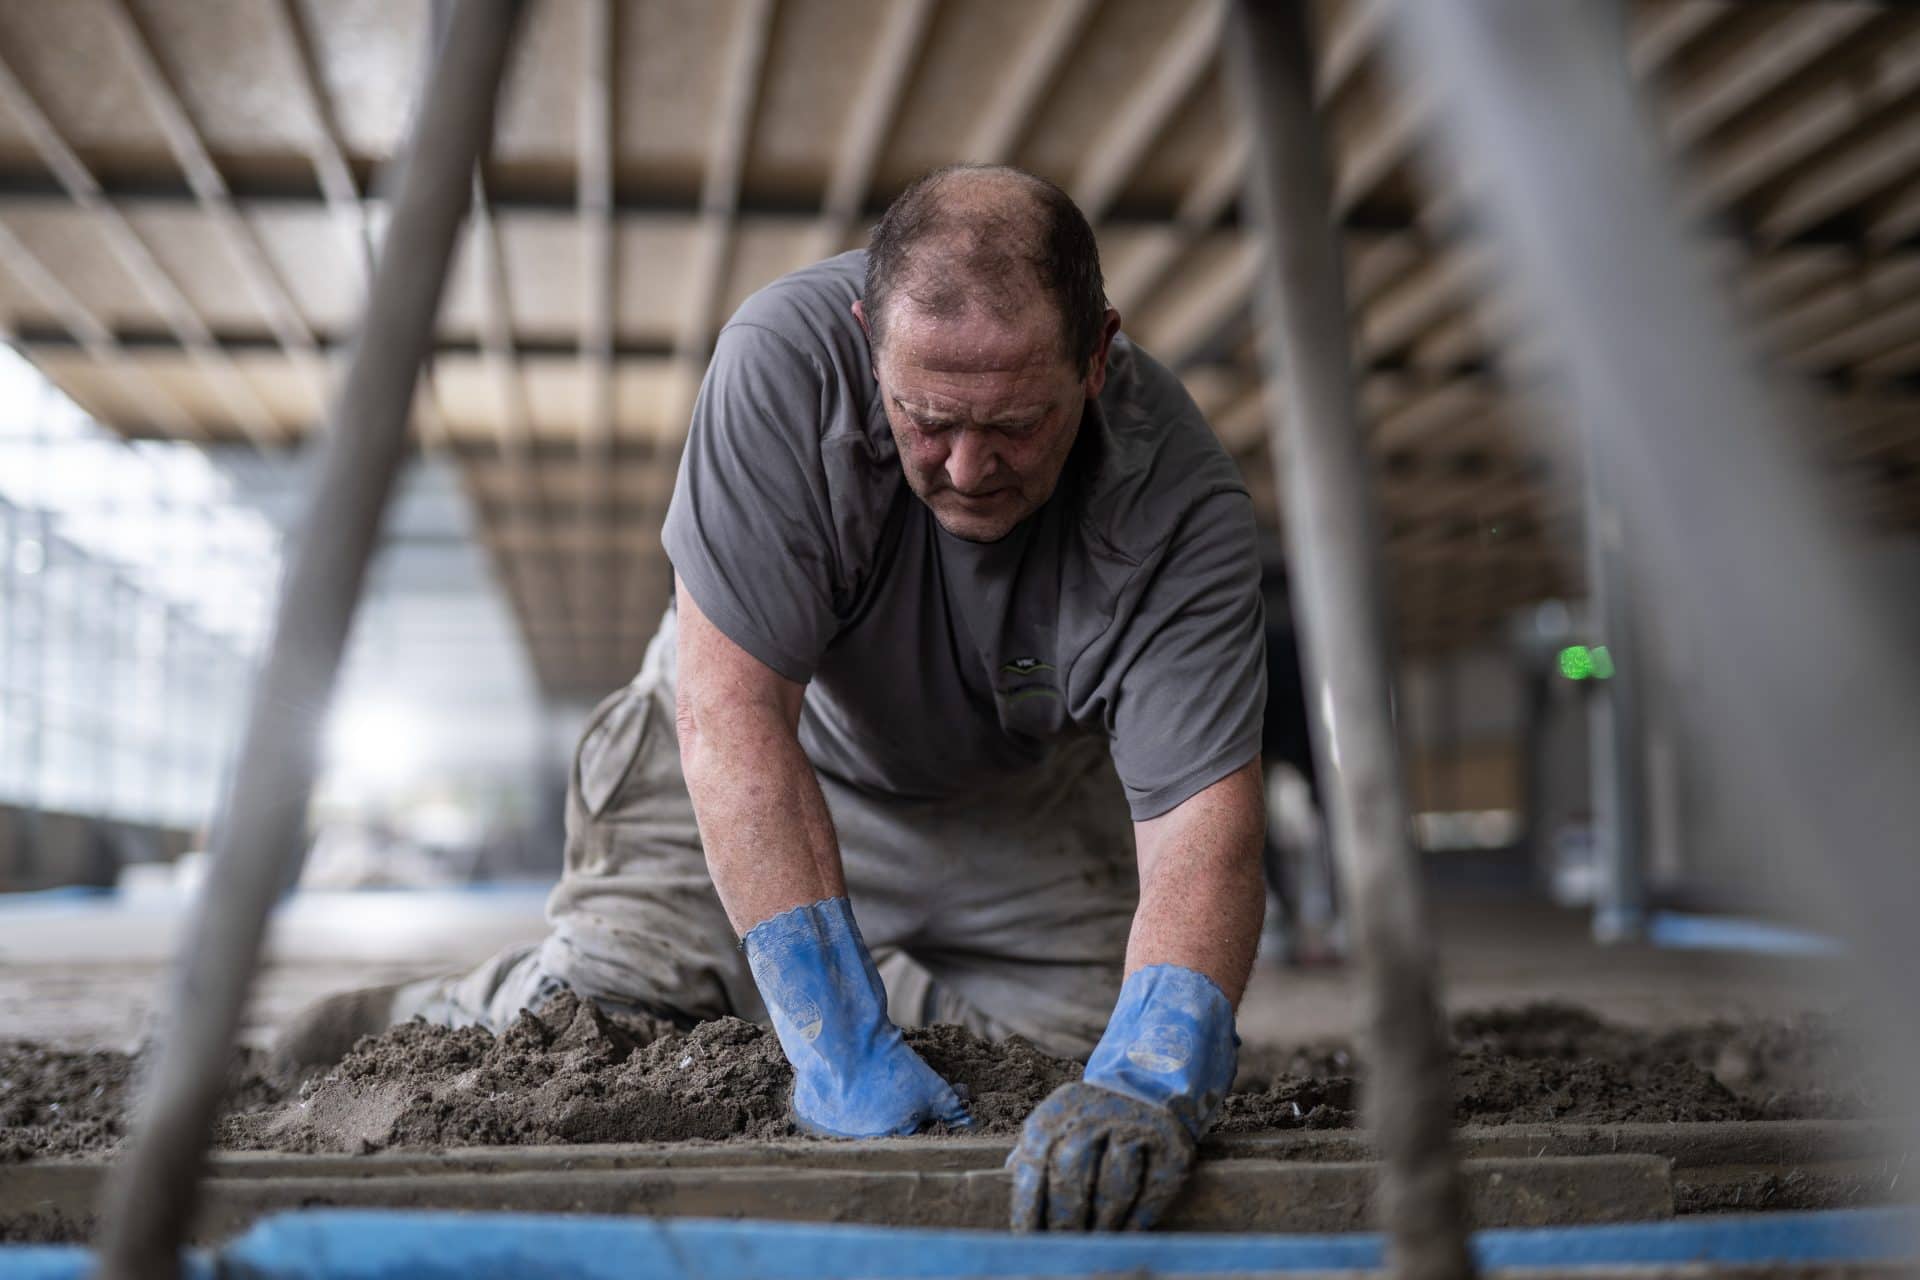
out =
column 970, row 461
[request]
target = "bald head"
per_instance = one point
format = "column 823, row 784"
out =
column 987, row 241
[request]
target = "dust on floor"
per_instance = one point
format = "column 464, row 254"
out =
column 574, row 1074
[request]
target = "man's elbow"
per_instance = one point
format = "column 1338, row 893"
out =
column 715, row 729
column 691, row 723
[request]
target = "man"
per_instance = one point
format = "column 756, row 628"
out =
column 965, row 673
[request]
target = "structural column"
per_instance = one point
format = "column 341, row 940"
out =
column 1618, row 730
column 1306, row 347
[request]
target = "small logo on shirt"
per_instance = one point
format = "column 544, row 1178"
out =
column 1031, row 678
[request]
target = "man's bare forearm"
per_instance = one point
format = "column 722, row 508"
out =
column 764, row 824
column 1202, row 892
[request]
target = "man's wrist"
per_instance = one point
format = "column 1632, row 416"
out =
column 1171, row 1043
column 854, row 1075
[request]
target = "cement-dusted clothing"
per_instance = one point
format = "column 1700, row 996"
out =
column 1006, row 911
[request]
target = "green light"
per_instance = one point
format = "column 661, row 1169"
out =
column 1602, row 663
column 1576, row 662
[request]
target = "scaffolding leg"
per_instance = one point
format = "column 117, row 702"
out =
column 1305, row 344
column 261, row 833
column 1618, row 732
column 1733, row 542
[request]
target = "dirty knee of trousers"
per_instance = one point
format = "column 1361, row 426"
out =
column 853, row 1074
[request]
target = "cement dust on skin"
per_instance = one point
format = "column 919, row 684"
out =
column 575, row 1074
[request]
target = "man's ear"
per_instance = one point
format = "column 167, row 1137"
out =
column 1097, row 366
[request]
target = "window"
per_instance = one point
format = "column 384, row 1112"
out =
column 134, row 592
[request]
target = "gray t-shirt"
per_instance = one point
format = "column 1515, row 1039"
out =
column 1128, row 605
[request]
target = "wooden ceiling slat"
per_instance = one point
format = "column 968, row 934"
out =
column 203, row 176
column 1769, row 141
column 82, row 188
column 1038, row 61
column 338, row 186
column 1771, row 44
column 1661, row 29
column 1351, row 42
column 1427, row 297
column 896, row 51
column 599, row 278
column 563, row 410
column 1140, row 116
column 99, row 342
column 514, row 415
column 728, row 147
column 1868, row 162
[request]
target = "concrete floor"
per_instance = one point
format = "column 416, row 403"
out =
column 1503, row 949
column 92, row 971
column 80, row 971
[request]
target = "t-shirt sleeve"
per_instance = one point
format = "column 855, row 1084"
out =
column 1192, row 662
column 749, row 529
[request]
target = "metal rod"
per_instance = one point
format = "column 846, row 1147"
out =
column 1618, row 730
column 259, row 840
column 1734, row 544
column 1306, row 347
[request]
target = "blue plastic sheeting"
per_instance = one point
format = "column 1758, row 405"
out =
column 66, row 1262
column 340, row 1245
column 1725, row 933
column 66, row 895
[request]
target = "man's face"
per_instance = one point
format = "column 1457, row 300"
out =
column 984, row 411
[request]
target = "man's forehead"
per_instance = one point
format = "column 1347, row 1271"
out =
column 1025, row 339
column 966, row 399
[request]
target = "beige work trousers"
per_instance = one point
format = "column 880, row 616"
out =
column 1005, row 910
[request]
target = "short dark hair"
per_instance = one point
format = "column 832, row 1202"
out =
column 946, row 261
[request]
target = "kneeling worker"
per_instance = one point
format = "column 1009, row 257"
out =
column 965, row 676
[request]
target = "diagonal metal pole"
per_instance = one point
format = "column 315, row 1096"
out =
column 1306, row 347
column 259, row 839
column 1816, row 741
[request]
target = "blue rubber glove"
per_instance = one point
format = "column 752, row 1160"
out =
column 853, row 1074
column 1111, row 1150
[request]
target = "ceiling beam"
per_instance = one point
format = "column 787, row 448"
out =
column 210, row 188
column 633, row 479
column 875, row 107
column 727, row 148
column 1868, row 163
column 599, row 87
column 1653, row 41
column 189, row 329
column 609, row 516
column 1215, row 191
column 1009, row 112
column 1771, row 45
column 1142, row 112
column 1660, row 31
column 87, row 330
column 1771, row 140
column 338, row 185
column 572, row 543
column 246, row 342
column 502, row 359
column 32, row 190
